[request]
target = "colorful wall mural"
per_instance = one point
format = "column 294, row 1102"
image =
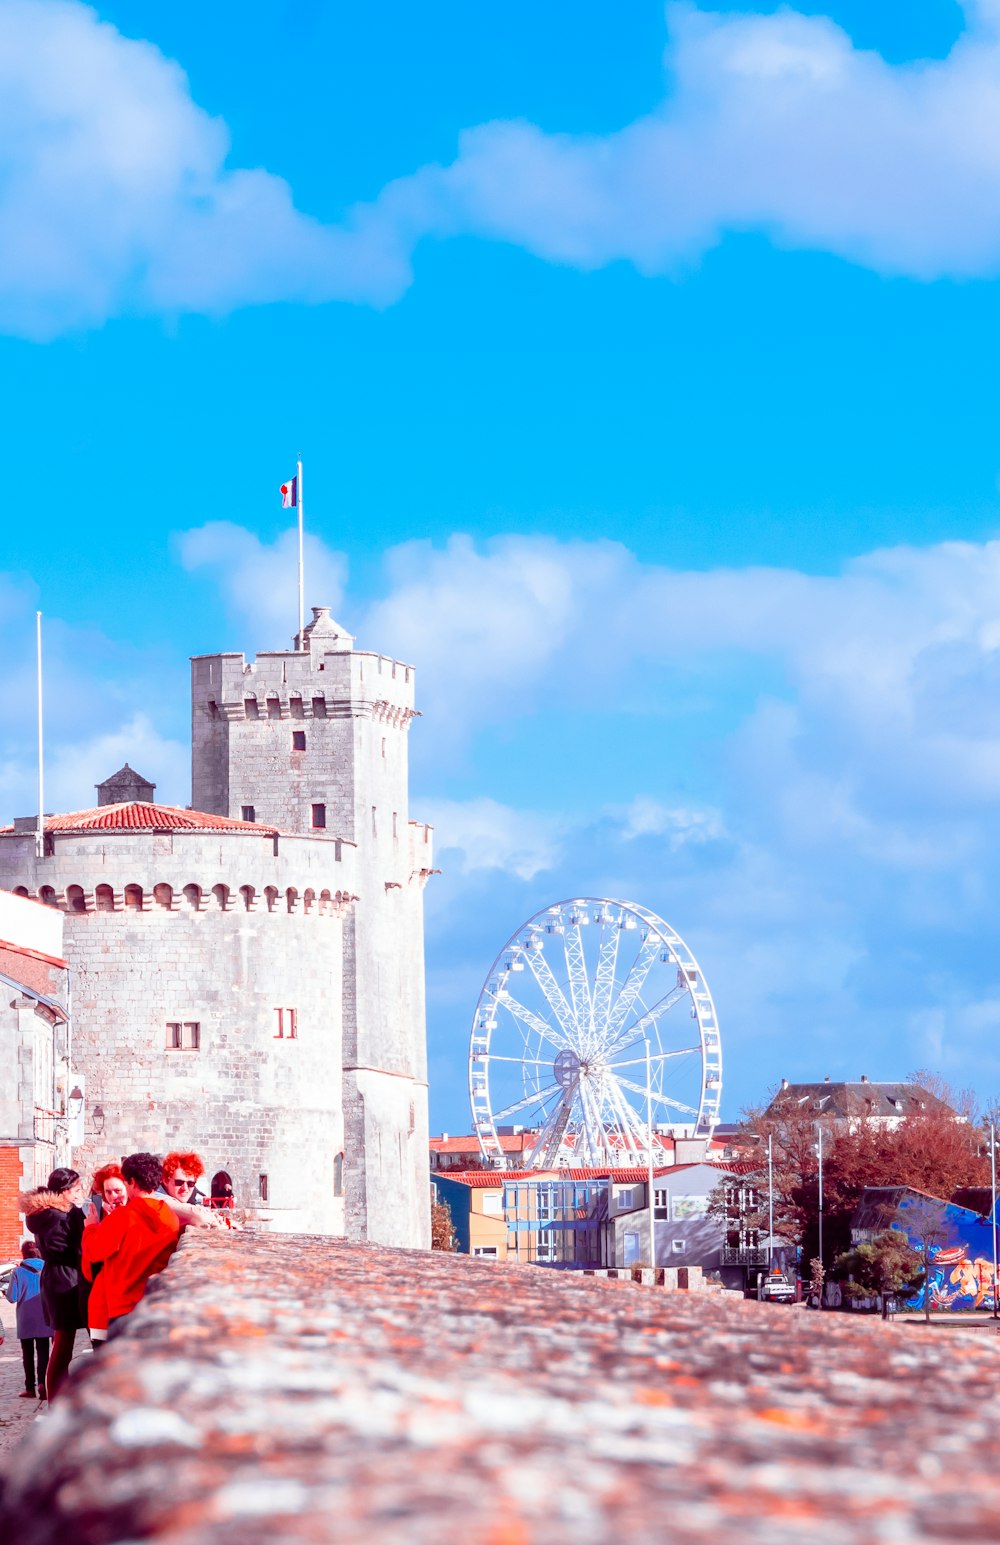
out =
column 960, row 1244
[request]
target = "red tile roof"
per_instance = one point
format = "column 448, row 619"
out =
column 510, row 1143
column 138, row 816
column 492, row 1179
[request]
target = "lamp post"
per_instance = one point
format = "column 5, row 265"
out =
column 993, row 1210
column 819, row 1128
column 770, row 1203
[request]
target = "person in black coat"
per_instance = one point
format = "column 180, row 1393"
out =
column 54, row 1214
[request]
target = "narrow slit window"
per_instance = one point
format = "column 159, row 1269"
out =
column 298, row 740
column 374, row 821
column 319, row 817
column 395, row 832
column 287, row 1025
column 263, row 1188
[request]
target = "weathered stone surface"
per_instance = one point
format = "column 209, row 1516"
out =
column 273, row 1390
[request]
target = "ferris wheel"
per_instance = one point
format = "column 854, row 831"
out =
column 595, row 1018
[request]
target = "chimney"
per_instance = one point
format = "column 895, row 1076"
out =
column 864, row 1078
column 444, row 1137
column 784, row 1083
column 827, row 1079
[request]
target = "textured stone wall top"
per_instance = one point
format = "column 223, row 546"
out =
column 272, row 1389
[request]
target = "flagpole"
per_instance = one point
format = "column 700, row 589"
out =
column 302, row 608
column 40, row 831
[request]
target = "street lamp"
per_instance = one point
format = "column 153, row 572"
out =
column 819, row 1128
column 770, row 1203
column 993, row 1210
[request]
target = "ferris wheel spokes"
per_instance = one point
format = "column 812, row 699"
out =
column 637, row 1029
column 633, row 984
column 552, row 992
column 529, row 1018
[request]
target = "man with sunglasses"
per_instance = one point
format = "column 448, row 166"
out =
column 181, row 1173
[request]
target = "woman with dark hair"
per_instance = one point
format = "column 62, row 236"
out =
column 222, row 1190
column 54, row 1214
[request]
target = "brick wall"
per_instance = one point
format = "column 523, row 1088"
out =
column 10, row 1184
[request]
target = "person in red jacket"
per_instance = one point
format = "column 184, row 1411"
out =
column 134, row 1242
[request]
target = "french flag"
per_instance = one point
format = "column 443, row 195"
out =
column 290, row 494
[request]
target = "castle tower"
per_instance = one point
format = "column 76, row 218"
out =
column 314, row 741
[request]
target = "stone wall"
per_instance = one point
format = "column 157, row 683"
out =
column 272, row 1390
column 217, row 930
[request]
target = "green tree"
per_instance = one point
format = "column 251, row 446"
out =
column 887, row 1264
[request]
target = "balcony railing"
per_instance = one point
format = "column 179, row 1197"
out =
column 744, row 1255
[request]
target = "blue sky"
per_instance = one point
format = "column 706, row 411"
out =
column 643, row 365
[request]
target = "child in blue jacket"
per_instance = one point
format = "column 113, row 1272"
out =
column 33, row 1330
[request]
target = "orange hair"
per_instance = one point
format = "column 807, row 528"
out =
column 186, row 1161
column 106, row 1172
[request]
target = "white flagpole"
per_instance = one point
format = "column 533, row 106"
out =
column 40, row 832
column 302, row 608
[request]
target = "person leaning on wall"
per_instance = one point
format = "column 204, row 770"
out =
column 54, row 1214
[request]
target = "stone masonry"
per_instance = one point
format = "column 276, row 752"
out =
column 248, row 978
column 313, row 1390
column 320, row 735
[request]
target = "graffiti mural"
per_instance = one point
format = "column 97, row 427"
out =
column 959, row 1244
column 957, row 1281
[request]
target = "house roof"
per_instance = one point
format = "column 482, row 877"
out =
column 509, row 1142
column 846, row 1100
column 138, row 815
column 493, row 1179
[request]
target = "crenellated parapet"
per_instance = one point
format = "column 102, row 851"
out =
column 191, row 897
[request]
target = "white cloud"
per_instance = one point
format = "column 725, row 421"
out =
column 648, row 817
column 259, row 580
column 73, row 768
column 490, row 835
column 117, row 196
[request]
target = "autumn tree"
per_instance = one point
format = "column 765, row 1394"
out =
column 929, row 1150
column 442, row 1228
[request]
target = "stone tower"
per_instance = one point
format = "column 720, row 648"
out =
column 314, row 740
column 125, row 787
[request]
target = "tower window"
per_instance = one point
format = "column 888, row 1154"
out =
column 319, row 817
column 298, row 740
column 395, row 832
column 249, row 813
column 319, row 707
column 295, row 707
column 338, row 1174
column 383, row 745
column 273, row 708
column 213, row 709
column 263, row 1187
column 183, row 1035
column 287, row 1025
column 374, row 822
column 251, row 708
